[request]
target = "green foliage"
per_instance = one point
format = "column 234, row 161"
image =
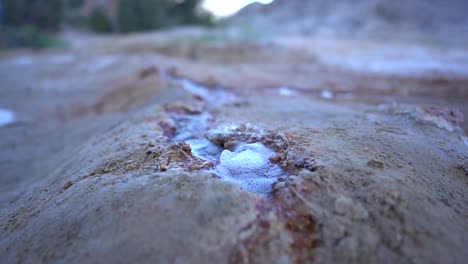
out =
column 184, row 11
column 99, row 22
column 126, row 16
column 142, row 15
column 207, row 20
column 75, row 3
column 31, row 21
column 76, row 20
column 28, row 23
column 46, row 15
column 29, row 36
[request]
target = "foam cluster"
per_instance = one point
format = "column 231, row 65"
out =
column 249, row 166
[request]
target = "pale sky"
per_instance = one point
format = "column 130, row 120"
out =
column 223, row 8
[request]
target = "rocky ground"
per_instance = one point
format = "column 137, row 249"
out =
column 116, row 151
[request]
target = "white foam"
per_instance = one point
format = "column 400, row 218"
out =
column 249, row 166
column 245, row 161
column 6, row 117
column 286, row 91
column 326, row 94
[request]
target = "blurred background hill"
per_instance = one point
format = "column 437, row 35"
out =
column 439, row 21
column 32, row 22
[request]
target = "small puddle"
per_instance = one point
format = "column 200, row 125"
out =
column 215, row 96
column 205, row 149
column 191, row 126
column 286, row 91
column 327, row 94
column 6, row 117
column 246, row 164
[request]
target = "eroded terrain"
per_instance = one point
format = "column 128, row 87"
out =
column 127, row 149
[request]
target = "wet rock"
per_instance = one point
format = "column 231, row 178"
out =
column 444, row 118
column 168, row 127
column 350, row 208
column 375, row 164
column 148, row 71
column 181, row 108
column 67, row 185
column 453, row 116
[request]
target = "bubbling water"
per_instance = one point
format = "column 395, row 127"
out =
column 249, row 166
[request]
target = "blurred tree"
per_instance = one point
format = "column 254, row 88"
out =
column 29, row 36
column 46, row 15
column 28, row 23
column 75, row 3
column 141, row 15
column 185, row 11
column 126, row 16
column 99, row 22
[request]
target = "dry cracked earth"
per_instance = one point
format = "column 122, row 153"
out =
column 118, row 145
